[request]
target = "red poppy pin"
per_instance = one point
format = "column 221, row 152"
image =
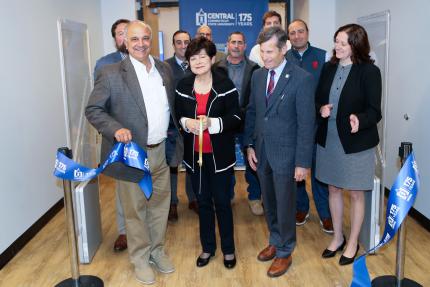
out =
column 315, row 65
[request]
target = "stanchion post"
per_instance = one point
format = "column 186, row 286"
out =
column 404, row 151
column 76, row 280
column 398, row 280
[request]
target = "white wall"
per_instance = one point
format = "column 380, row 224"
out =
column 320, row 17
column 301, row 10
column 408, row 82
column 168, row 22
column 112, row 10
column 322, row 23
column 31, row 110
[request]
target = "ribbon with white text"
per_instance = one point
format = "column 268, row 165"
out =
column 401, row 198
column 129, row 154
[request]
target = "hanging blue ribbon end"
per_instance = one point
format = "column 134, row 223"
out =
column 361, row 274
column 146, row 186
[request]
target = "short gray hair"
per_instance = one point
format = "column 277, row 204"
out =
column 143, row 24
column 267, row 34
column 236, row 33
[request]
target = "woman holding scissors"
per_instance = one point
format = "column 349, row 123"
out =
column 208, row 108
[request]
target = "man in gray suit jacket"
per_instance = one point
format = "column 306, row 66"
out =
column 118, row 34
column 133, row 100
column 279, row 131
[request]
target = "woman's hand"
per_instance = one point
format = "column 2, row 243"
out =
column 194, row 125
column 326, row 110
column 206, row 121
column 355, row 123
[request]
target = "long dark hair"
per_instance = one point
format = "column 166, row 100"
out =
column 359, row 42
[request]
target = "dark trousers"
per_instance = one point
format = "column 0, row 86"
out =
column 279, row 197
column 213, row 195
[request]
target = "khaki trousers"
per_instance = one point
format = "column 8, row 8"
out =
column 146, row 220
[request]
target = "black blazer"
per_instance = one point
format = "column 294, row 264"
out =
column 222, row 104
column 361, row 95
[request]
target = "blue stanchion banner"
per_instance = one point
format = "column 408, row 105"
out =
column 223, row 17
column 402, row 196
column 130, row 154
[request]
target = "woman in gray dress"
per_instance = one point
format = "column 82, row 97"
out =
column 348, row 102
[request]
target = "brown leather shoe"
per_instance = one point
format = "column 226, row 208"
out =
column 279, row 266
column 194, row 206
column 327, row 225
column 267, row 253
column 301, row 217
column 120, row 243
column 173, row 213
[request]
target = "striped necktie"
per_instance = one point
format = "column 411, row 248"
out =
column 184, row 66
column 271, row 85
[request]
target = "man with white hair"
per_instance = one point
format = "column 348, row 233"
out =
column 206, row 31
column 133, row 100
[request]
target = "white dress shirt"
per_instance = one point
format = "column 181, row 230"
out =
column 155, row 98
column 278, row 71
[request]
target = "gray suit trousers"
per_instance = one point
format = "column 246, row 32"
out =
column 279, row 197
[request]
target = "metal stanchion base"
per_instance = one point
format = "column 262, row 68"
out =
column 84, row 281
column 391, row 281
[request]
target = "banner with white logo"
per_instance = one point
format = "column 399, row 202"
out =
column 224, row 17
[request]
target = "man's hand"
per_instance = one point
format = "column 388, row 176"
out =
column 123, row 135
column 300, row 173
column 252, row 158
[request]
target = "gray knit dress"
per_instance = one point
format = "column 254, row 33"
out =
column 352, row 171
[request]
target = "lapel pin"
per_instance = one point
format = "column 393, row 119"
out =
column 287, row 76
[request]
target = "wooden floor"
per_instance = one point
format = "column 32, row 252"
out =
column 45, row 261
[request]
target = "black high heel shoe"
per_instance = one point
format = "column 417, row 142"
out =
column 343, row 260
column 229, row 264
column 203, row 261
column 327, row 253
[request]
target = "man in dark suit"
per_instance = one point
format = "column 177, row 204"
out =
column 118, row 33
column 279, row 133
column 174, row 146
column 239, row 69
column 133, row 100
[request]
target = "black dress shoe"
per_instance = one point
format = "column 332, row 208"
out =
column 343, row 260
column 203, row 261
column 327, row 253
column 229, row 264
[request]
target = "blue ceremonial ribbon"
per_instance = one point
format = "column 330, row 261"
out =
column 129, row 154
column 401, row 198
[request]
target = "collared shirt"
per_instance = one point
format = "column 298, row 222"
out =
column 155, row 98
column 179, row 61
column 327, row 55
column 278, row 71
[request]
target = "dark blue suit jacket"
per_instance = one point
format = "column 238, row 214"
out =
column 111, row 58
